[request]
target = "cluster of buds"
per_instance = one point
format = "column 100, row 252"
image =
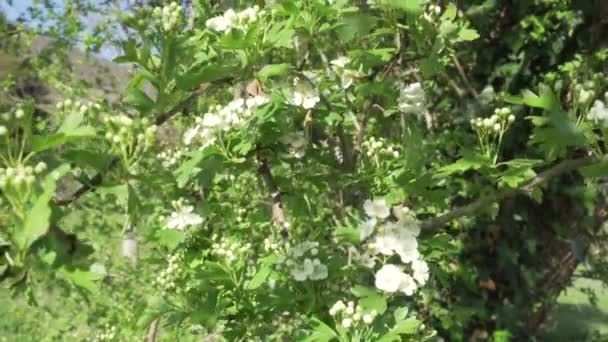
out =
column 77, row 106
column 498, row 122
column 170, row 158
column 10, row 120
column 166, row 279
column 379, row 146
column 350, row 314
column 584, row 92
column 169, row 17
column 302, row 262
column 107, row 334
column 20, row 176
column 227, row 250
column 232, row 20
column 129, row 138
column 431, row 13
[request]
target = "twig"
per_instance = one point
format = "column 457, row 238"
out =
column 531, row 185
column 152, row 331
column 278, row 215
column 464, row 77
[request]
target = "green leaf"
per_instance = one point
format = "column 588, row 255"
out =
column 170, row 238
column 466, row 163
column 280, row 35
column 265, row 269
column 322, row 332
column 133, row 204
column 467, row 34
column 408, row 326
column 84, row 279
column 272, row 70
column 156, row 308
column 546, row 98
column 369, row 299
column 71, row 122
column 409, row 6
column 37, row 221
column 190, row 168
column 355, row 25
column 196, row 76
column 45, row 142
column 138, row 99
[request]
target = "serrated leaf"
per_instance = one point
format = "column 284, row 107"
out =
column 322, row 332
column 37, row 221
column 44, row 142
column 156, row 308
column 138, row 99
column 170, row 238
column 81, row 278
column 194, row 77
column 190, row 168
column 466, row 34
column 409, row 6
column 466, row 163
column 272, row 70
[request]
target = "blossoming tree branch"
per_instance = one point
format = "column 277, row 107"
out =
column 310, row 170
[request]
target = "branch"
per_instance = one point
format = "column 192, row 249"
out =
column 278, row 215
column 528, row 187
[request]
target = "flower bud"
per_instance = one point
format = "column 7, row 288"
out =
column 496, row 127
column 19, row 113
column 40, row 167
column 511, row 118
column 3, row 130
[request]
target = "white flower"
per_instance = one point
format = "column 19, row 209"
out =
column 190, row 134
column 411, row 99
column 303, row 95
column 299, row 249
column 408, row 285
column 421, row 271
column 347, row 322
column 302, row 271
column 319, row 271
column 340, row 62
column 376, row 208
column 367, row 260
column 336, row 308
column 368, row 319
column 184, row 218
column 3, row 130
column 599, row 113
column 367, row 228
column 389, row 278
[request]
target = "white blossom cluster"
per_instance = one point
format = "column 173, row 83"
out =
column 232, row 20
column 183, row 216
column 222, row 119
column 431, row 13
column 303, row 94
column 350, row 315
column 107, row 334
column 412, row 99
column 169, row 17
column 599, row 112
column 388, row 238
column 296, row 142
column 303, row 263
column 20, row 176
column 498, row 122
column 228, row 250
column 166, row 279
column 347, row 76
column 377, row 146
column 171, row 157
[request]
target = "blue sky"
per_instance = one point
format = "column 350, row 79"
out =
column 19, row 7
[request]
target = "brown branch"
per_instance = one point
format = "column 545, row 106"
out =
column 278, row 214
column 153, row 331
column 464, row 77
column 528, row 187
